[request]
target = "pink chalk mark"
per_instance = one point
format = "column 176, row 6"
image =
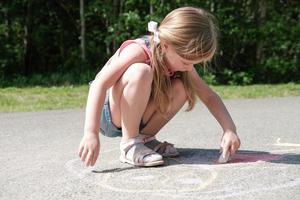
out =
column 249, row 158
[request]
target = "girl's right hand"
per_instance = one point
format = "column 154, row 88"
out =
column 89, row 149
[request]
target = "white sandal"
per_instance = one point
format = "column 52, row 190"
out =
column 163, row 148
column 136, row 153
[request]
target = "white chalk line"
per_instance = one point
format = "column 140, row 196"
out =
column 286, row 144
column 82, row 174
column 278, row 143
column 284, row 150
column 235, row 191
column 204, row 184
column 184, row 193
column 70, row 167
column 104, row 181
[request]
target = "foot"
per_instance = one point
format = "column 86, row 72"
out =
column 163, row 148
column 136, row 153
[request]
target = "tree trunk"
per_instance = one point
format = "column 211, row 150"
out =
column 151, row 8
column 7, row 24
column 28, row 68
column 262, row 11
column 116, row 4
column 82, row 35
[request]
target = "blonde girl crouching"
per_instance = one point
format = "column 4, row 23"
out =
column 146, row 82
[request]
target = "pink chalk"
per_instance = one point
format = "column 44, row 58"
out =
column 249, row 158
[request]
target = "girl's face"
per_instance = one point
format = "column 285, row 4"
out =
column 177, row 63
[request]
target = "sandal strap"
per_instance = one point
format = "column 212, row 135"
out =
column 126, row 146
column 143, row 151
column 148, row 139
column 159, row 147
column 140, row 151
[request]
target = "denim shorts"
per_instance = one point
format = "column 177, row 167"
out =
column 107, row 127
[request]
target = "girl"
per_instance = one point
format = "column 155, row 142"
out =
column 146, row 82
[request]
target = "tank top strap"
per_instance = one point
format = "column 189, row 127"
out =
column 142, row 43
column 146, row 41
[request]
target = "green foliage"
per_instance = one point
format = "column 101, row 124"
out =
column 40, row 40
column 282, row 50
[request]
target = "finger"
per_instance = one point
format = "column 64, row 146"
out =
column 226, row 146
column 232, row 150
column 80, row 150
column 238, row 144
column 95, row 158
column 234, row 147
column 224, row 157
column 89, row 159
column 225, row 150
column 222, row 145
column 84, row 154
column 221, row 150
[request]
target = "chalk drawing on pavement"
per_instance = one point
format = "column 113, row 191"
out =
column 192, row 175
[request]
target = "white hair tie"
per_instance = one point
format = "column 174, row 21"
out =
column 152, row 27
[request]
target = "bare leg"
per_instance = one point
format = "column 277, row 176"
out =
column 130, row 96
column 129, row 99
column 155, row 121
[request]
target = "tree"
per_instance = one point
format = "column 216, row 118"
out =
column 28, row 40
column 82, row 36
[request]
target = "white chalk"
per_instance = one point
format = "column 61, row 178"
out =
column 224, row 157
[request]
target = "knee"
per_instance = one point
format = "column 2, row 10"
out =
column 140, row 73
column 178, row 90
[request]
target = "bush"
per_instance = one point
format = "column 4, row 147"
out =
column 259, row 40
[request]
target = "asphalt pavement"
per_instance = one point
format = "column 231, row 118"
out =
column 39, row 161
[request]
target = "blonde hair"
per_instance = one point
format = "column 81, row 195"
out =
column 192, row 33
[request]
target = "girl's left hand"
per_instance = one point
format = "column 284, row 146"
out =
column 230, row 143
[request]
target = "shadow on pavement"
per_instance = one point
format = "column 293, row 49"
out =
column 117, row 169
column 192, row 156
column 210, row 157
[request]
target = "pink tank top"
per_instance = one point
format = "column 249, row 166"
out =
column 144, row 43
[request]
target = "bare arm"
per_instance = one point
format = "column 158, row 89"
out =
column 215, row 105
column 108, row 76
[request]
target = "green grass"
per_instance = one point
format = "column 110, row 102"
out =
column 64, row 97
column 42, row 98
column 258, row 91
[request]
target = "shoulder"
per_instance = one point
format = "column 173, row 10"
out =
column 133, row 49
column 123, row 58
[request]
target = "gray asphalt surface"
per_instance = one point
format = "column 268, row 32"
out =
column 39, row 161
